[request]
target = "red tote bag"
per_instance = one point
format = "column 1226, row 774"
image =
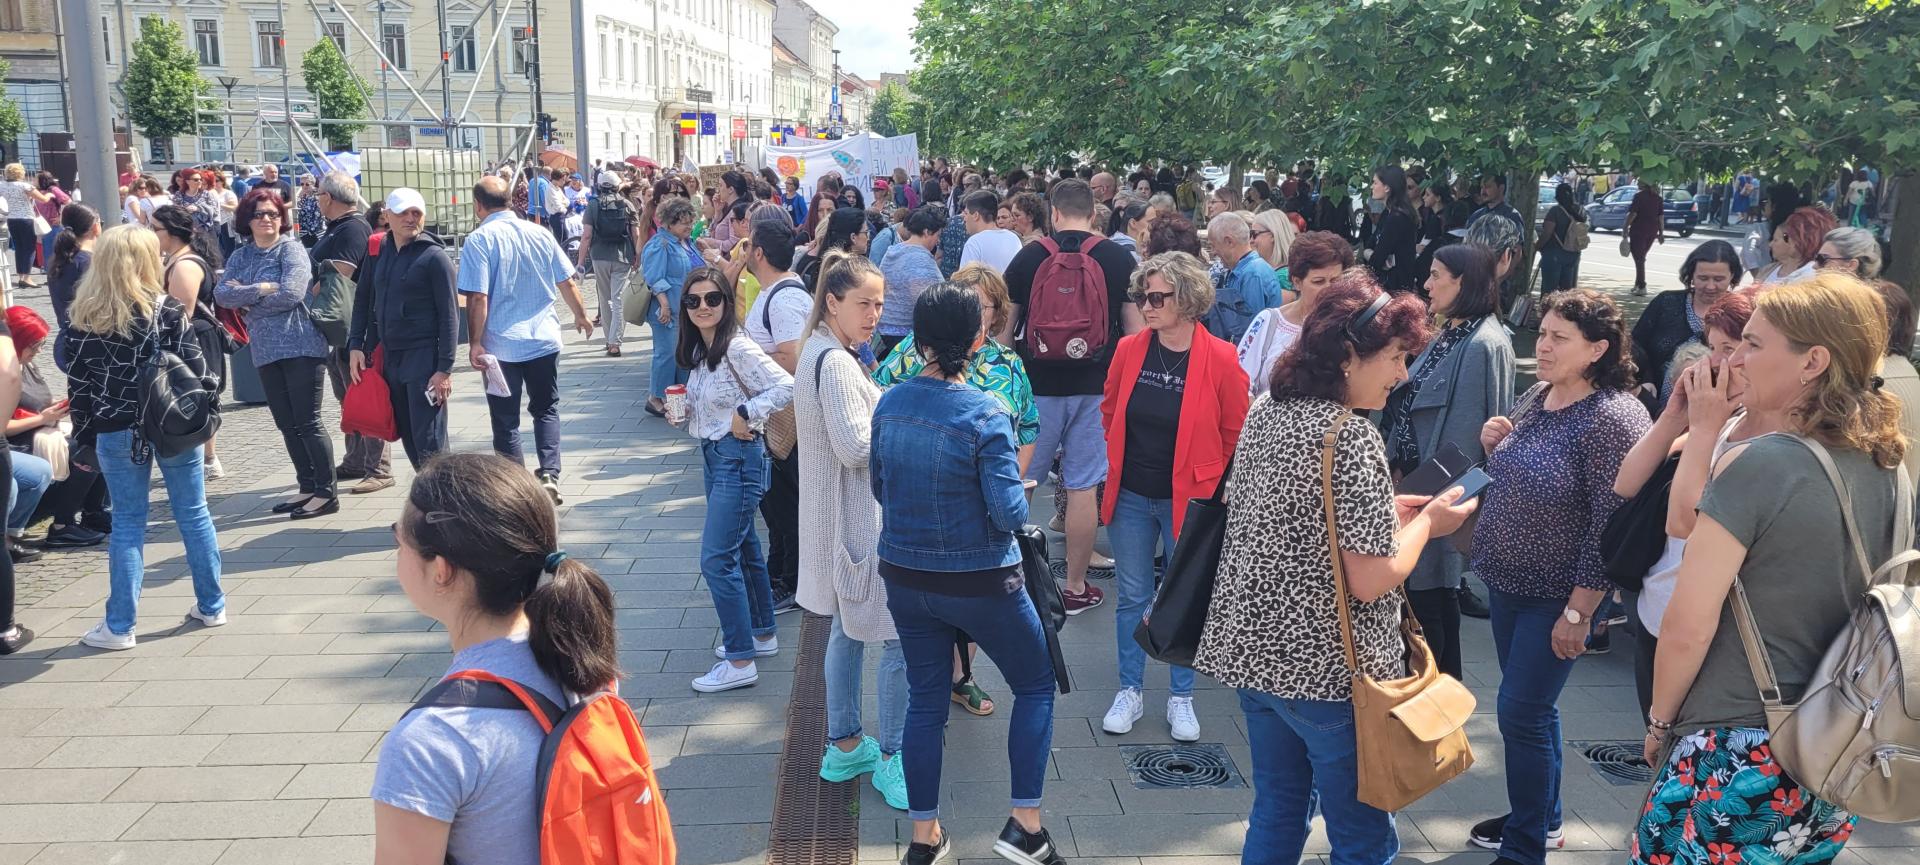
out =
column 368, row 407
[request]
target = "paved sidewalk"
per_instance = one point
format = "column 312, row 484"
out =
column 254, row 743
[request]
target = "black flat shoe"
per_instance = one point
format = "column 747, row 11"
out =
column 331, row 507
column 290, row 507
column 15, row 640
column 22, row 555
column 71, row 537
column 656, row 412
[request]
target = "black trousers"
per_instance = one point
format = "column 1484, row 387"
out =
column 1438, row 611
column 780, row 507
column 423, row 425
column 6, row 561
column 364, row 455
column 540, row 380
column 294, row 387
column 66, row 500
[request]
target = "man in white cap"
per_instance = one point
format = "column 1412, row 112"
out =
column 511, row 272
column 611, row 241
column 404, row 303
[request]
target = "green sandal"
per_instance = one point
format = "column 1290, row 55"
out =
column 972, row 698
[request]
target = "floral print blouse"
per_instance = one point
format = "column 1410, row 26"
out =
column 994, row 369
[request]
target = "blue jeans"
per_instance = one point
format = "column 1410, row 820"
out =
column 31, row 477
column 1559, row 269
column 1531, row 678
column 730, row 561
column 1006, row 627
column 1304, row 755
column 127, row 485
column 845, row 661
column 663, row 370
column 1138, row 523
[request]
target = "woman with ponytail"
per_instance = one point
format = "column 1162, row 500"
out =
column 191, row 258
column 948, row 483
column 479, row 552
column 1808, row 371
column 833, row 414
column 72, row 251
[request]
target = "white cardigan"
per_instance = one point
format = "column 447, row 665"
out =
column 840, row 521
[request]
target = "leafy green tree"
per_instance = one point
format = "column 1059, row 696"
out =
column 339, row 92
column 12, row 124
column 163, row 84
column 880, row 111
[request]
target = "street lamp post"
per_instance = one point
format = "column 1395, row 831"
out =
column 228, row 82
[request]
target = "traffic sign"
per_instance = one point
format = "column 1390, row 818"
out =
column 696, row 94
column 755, row 127
column 739, row 127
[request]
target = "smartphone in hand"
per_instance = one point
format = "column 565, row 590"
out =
column 1472, row 484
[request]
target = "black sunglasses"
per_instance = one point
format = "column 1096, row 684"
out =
column 1823, row 259
column 1155, row 299
column 715, row 299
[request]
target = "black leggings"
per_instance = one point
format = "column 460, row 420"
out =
column 24, row 243
column 1438, row 611
column 294, row 387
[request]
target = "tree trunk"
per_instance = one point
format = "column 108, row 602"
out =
column 1903, row 254
column 1236, row 181
column 1525, row 197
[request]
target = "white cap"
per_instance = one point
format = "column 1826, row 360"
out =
column 404, row 199
column 608, row 178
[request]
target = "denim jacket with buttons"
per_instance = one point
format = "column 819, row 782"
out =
column 947, row 478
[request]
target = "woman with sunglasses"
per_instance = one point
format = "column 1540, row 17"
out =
column 733, row 389
column 268, row 278
column 1165, row 449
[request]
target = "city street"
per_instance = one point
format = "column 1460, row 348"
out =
column 253, row 743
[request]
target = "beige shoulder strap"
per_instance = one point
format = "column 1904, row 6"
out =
column 1327, row 447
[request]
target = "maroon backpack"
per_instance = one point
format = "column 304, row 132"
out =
column 1067, row 315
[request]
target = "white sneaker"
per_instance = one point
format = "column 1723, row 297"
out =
column 213, row 621
column 725, row 677
column 1180, row 717
column 766, row 648
column 102, row 638
column 1127, row 708
column 215, row 470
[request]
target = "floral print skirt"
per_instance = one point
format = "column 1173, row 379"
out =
column 1722, row 800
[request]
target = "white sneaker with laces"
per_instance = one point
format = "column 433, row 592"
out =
column 1180, row 717
column 766, row 648
column 725, row 677
column 1127, row 708
column 213, row 621
column 215, row 470
column 102, row 638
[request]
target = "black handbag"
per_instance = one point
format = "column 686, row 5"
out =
column 1171, row 631
column 1037, row 570
column 1636, row 533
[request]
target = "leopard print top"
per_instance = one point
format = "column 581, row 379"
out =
column 1272, row 625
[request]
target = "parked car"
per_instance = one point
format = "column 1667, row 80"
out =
column 1682, row 211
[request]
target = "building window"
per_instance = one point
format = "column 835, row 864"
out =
column 160, row 149
column 106, row 36
column 268, row 51
column 206, row 41
column 522, row 50
column 214, row 145
column 338, row 33
column 461, row 39
column 393, row 39
column 606, row 60
column 620, row 60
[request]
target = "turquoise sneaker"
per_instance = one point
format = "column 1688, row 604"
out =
column 837, row 765
column 890, row 781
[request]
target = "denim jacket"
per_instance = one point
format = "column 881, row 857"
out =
column 945, row 474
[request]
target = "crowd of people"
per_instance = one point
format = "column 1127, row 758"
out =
column 914, row 366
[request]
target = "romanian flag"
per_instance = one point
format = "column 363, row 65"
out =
column 689, row 123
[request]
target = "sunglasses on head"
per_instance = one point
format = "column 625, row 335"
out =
column 714, row 299
column 1154, row 299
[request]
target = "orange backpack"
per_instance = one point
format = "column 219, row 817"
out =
column 599, row 803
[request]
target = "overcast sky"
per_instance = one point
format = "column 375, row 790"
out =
column 875, row 37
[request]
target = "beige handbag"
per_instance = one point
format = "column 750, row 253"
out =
column 778, row 429
column 1409, row 734
column 1853, row 739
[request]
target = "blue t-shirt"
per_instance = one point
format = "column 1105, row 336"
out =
column 473, row 768
column 519, row 267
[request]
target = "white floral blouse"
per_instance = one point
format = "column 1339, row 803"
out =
column 714, row 395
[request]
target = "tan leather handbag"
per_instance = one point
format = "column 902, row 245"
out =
column 1409, row 733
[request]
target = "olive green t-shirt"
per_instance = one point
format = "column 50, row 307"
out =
column 1800, row 571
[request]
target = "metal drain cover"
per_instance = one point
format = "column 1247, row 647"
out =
column 1619, row 761
column 1059, row 569
column 1162, row 767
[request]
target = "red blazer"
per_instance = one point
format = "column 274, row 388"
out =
column 1212, row 411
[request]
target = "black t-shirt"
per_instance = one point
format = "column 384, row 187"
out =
column 1153, row 422
column 1082, row 377
column 345, row 240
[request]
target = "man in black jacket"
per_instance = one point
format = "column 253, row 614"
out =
column 404, row 302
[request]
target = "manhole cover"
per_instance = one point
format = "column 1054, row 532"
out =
column 1059, row 569
column 1160, row 767
column 1618, row 761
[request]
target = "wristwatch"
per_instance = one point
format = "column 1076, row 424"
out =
column 1573, row 616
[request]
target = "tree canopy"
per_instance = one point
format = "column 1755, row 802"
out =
column 336, row 88
column 12, row 123
column 165, row 91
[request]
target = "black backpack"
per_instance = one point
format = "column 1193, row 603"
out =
column 179, row 402
column 612, row 217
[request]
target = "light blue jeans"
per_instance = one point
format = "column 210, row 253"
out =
column 31, row 478
column 127, row 485
column 1304, row 755
column 845, row 662
column 1139, row 524
column 730, row 561
column 663, row 370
